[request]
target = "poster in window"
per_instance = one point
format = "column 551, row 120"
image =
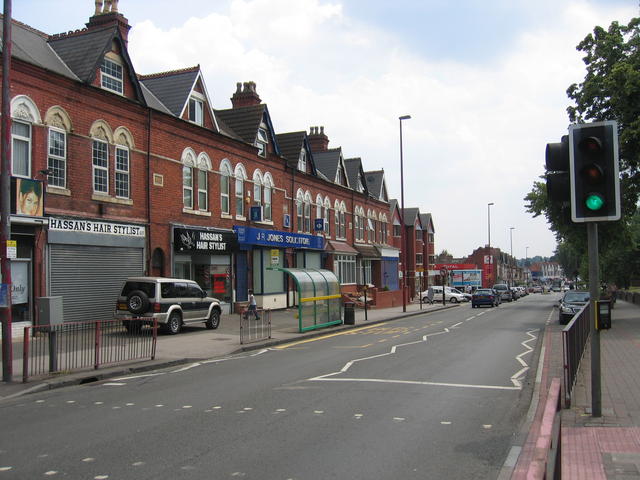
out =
column 19, row 283
column 28, row 197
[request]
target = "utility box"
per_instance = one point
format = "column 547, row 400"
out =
column 50, row 310
column 603, row 314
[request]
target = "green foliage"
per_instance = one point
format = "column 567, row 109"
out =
column 610, row 90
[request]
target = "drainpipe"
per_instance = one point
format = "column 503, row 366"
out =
column 149, row 183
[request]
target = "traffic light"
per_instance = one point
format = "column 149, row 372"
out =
column 557, row 165
column 595, row 178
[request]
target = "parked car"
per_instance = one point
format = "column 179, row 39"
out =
column 537, row 289
column 173, row 302
column 570, row 304
column 485, row 296
column 505, row 293
column 515, row 293
column 451, row 295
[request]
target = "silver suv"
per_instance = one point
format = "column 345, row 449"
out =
column 173, row 302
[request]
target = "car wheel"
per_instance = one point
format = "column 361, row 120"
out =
column 453, row 300
column 132, row 326
column 174, row 323
column 214, row 319
column 137, row 302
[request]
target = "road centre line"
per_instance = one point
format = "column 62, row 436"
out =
column 413, row 382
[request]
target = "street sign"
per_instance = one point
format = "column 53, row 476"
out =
column 12, row 249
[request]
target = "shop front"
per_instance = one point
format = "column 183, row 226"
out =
column 389, row 267
column 88, row 261
column 205, row 255
column 265, row 251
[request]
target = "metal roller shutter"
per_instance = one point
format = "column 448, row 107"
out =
column 90, row 278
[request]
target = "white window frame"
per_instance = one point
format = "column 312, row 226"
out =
column 257, row 188
column 99, row 168
column 203, row 190
column 344, row 266
column 187, row 186
column 267, row 195
column 56, row 162
column 327, row 217
column 20, row 138
column 105, row 77
column 198, row 110
column 262, row 140
column 241, row 177
column 122, row 176
column 302, row 160
column 225, row 181
column 300, row 211
column 307, row 212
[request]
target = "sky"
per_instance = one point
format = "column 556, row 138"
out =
column 483, row 81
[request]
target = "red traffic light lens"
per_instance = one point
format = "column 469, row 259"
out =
column 592, row 174
column 590, row 145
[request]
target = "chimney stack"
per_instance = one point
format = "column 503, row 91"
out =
column 106, row 14
column 318, row 141
column 245, row 95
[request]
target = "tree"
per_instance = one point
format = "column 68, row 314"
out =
column 610, row 90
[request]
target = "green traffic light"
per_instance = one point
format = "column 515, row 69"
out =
column 594, row 201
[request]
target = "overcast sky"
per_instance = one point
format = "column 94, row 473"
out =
column 483, row 80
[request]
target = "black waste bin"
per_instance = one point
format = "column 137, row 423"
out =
column 349, row 313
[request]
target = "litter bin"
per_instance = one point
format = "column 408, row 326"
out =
column 349, row 313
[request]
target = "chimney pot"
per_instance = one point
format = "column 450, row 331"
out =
column 245, row 95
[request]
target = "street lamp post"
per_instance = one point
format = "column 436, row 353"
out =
column 403, row 235
column 489, row 242
column 511, row 270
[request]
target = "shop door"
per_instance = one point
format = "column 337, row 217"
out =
column 242, row 279
column 89, row 278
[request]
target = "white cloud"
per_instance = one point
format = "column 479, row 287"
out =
column 478, row 131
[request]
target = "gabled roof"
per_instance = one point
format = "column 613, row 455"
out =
column 328, row 162
column 172, row 88
column 30, row 45
column 376, row 185
column 83, row 51
column 291, row 144
column 355, row 173
column 410, row 216
column 427, row 222
column 393, row 208
column 245, row 121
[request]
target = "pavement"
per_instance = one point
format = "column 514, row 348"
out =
column 591, row 448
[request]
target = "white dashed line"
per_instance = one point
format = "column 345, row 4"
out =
column 445, row 423
column 5, row 469
column 88, row 459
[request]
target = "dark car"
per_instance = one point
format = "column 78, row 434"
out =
column 485, row 296
column 570, row 304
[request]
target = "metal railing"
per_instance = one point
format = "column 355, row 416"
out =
column 80, row 345
column 574, row 341
column 254, row 329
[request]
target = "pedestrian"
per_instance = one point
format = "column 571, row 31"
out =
column 253, row 308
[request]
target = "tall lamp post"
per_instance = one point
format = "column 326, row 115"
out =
column 403, row 236
column 489, row 242
column 511, row 270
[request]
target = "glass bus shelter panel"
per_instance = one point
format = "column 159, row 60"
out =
column 322, row 290
column 334, row 305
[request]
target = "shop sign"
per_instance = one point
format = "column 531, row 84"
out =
column 256, row 214
column 275, row 238
column 455, row 266
column 92, row 226
column 12, row 249
column 203, row 241
column 319, row 224
column 275, row 257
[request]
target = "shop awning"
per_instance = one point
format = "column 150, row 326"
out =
column 367, row 251
column 340, row 247
column 389, row 253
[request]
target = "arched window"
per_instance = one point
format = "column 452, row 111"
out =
column 336, row 211
column 225, row 175
column 372, row 222
column 307, row 212
column 383, row 229
column 319, row 204
column 358, row 222
column 241, row 176
column 343, row 220
column 257, row 188
column 188, row 162
column 24, row 113
column 204, row 165
column 59, row 123
column 300, row 210
column 327, row 218
column 267, row 192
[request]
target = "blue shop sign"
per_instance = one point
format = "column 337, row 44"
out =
column 274, row 238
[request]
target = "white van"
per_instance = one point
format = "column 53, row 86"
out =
column 451, row 295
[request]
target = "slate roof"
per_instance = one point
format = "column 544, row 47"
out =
column 328, row 162
column 172, row 88
column 410, row 215
column 353, row 166
column 375, row 182
column 290, row 145
column 30, row 45
column 393, row 206
column 244, row 121
column 83, row 52
column 427, row 222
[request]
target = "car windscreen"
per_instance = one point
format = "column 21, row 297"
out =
column 576, row 297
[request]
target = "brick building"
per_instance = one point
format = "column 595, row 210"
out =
column 139, row 174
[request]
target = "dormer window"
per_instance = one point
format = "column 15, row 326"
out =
column 359, row 186
column 261, row 142
column 111, row 76
column 302, row 160
column 196, row 109
column 340, row 177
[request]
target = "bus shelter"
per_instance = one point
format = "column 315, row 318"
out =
column 318, row 295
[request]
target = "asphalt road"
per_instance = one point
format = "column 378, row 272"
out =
column 442, row 395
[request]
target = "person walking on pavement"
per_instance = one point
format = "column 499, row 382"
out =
column 253, row 308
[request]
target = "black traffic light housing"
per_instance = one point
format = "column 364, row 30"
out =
column 594, row 172
column 557, row 166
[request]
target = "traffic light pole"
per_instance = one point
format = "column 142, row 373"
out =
column 594, row 292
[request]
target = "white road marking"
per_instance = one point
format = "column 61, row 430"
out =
column 487, row 427
column 71, row 401
column 101, row 477
column 98, row 403
column 39, row 401
column 516, row 377
column 445, row 423
column 358, row 416
column 51, row 472
column 5, row 469
column 318, row 412
column 88, row 459
column 137, row 464
column 411, row 382
column 114, row 384
column 129, row 404
column 398, row 419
